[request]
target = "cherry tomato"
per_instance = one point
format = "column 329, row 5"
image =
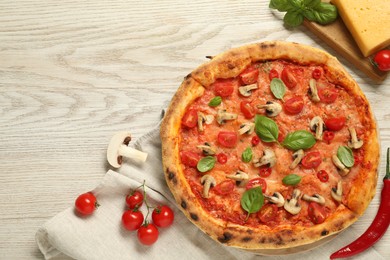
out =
column 227, row 139
column 189, row 158
column 268, row 213
column 335, row 123
column 86, row 203
column 257, row 182
column 134, row 199
column 265, row 172
column 224, row 87
column 323, row 175
column 382, row 60
column 163, row 216
column 255, row 140
column 190, row 118
column 147, row 234
column 328, row 95
column 249, row 75
column 288, row 78
column 132, row 219
column 328, row 136
column 247, row 109
column 221, row 158
column 317, row 213
column 225, row 187
column 316, row 74
column 273, row 73
column 311, row 160
column 293, row 105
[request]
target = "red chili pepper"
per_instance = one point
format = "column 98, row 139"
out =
column 378, row 227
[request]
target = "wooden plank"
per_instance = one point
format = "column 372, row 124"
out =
column 337, row 36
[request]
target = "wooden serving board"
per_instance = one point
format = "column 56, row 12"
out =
column 337, row 36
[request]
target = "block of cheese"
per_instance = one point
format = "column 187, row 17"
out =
column 368, row 21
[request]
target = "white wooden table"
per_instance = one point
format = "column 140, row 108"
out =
column 73, row 73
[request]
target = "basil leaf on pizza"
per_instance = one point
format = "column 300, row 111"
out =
column 266, row 129
column 252, row 200
column 300, row 139
column 247, row 155
column 216, row 101
column 291, row 179
column 278, row 88
column 345, row 155
column 206, row 164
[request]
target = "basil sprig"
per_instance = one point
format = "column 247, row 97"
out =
column 216, row 101
column 300, row 139
column 252, row 200
column 266, row 129
column 345, row 155
column 247, row 155
column 278, row 88
column 313, row 10
column 206, row 164
column 291, row 179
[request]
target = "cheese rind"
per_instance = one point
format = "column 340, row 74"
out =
column 368, row 21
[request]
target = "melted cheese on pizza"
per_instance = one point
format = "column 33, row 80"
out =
column 336, row 107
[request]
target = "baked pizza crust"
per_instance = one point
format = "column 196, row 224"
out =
column 263, row 240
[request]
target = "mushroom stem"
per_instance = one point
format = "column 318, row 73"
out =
column 132, row 153
column 355, row 143
column 343, row 170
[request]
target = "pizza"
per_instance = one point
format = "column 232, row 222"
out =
column 270, row 147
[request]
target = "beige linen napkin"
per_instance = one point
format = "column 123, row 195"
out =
column 101, row 235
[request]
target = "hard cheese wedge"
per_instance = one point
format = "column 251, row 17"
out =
column 368, row 21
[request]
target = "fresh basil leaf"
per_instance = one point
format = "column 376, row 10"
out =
column 293, row 18
column 291, row 179
column 281, row 5
column 322, row 13
column 345, row 155
column 247, row 155
column 311, row 3
column 216, row 101
column 278, row 88
column 206, row 164
column 252, row 200
column 300, row 139
column 266, row 129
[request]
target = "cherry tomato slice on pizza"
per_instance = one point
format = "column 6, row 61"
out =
column 311, row 160
column 328, row 95
column 249, row 75
column 317, row 213
column 227, row 139
column 247, row 109
column 222, row 158
column 189, row 158
column 268, row 213
column 288, row 78
column 265, row 172
column 225, row 187
column 224, row 87
column 190, row 118
column 323, row 175
column 316, row 73
column 257, row 182
column 255, row 140
column 335, row 123
column 293, row 105
column 328, row 136
column 273, row 73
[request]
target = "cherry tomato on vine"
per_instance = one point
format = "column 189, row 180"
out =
column 311, row 160
column 147, row 234
column 132, row 219
column 134, row 199
column 249, row 75
column 382, row 60
column 221, row 158
column 86, row 203
column 163, row 216
column 323, row 175
column 268, row 213
column 335, row 123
